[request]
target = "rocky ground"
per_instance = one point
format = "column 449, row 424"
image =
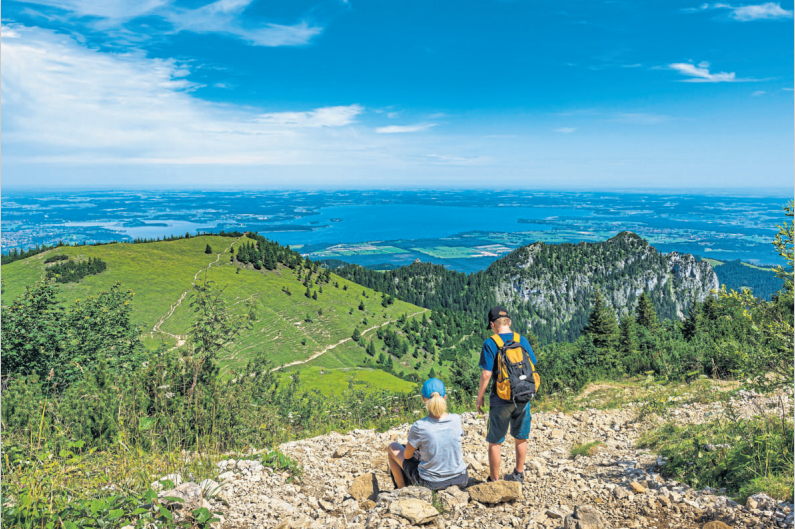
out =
column 346, row 483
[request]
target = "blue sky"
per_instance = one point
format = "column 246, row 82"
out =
column 254, row 93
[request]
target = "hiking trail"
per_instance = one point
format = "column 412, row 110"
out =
column 330, row 347
column 181, row 339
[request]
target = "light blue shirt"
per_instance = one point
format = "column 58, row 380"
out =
column 438, row 442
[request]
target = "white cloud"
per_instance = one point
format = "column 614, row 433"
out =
column 109, row 9
column 747, row 13
column 339, row 116
column 758, row 93
column 222, row 16
column 63, row 102
column 400, row 129
column 566, row 130
column 756, row 12
column 701, row 73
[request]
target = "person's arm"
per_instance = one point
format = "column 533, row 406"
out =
column 485, row 377
column 409, row 452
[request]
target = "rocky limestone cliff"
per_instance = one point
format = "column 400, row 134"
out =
column 551, row 287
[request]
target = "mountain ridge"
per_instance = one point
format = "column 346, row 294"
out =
column 549, row 287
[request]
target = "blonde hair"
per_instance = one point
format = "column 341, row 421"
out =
column 503, row 322
column 436, row 405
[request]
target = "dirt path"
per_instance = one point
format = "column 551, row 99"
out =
column 330, row 347
column 179, row 337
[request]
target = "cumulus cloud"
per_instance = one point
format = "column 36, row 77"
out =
column 64, row 102
column 747, row 13
column 701, row 73
column 401, row 129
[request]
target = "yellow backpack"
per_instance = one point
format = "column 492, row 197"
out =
column 517, row 379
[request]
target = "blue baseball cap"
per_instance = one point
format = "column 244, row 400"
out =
column 431, row 386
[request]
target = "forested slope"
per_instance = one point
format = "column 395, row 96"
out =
column 550, row 288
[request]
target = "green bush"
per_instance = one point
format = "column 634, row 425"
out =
column 744, row 456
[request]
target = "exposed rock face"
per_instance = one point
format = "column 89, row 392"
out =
column 552, row 286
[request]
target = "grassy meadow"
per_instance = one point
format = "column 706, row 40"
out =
column 289, row 327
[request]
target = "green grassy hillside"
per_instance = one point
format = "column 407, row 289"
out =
column 293, row 330
column 157, row 272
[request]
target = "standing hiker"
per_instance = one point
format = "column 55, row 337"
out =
column 510, row 357
column 432, row 457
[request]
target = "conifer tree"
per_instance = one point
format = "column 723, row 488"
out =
column 601, row 327
column 308, row 293
column 208, row 249
column 432, row 373
column 356, row 336
column 531, row 337
column 314, row 296
column 644, row 312
column 627, row 340
column 691, row 324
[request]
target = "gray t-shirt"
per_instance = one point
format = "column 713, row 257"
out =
column 438, row 442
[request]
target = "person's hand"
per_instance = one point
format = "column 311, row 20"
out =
column 480, row 405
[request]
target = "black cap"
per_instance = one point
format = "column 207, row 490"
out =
column 495, row 314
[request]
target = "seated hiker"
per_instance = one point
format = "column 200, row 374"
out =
column 505, row 407
column 432, row 458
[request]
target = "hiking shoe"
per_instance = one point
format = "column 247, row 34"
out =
column 489, row 480
column 515, row 476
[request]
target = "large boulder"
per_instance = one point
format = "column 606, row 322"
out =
column 365, row 487
column 453, row 498
column 496, row 492
column 585, row 517
column 417, row 512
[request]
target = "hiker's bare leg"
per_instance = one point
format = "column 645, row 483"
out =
column 521, row 454
column 395, row 458
column 495, row 455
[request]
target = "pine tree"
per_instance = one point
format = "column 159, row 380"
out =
column 308, row 293
column 644, row 312
column 627, row 340
column 432, row 373
column 531, row 337
column 691, row 323
column 314, row 296
column 361, row 305
column 208, row 249
column 370, row 348
column 601, row 327
column 356, row 336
